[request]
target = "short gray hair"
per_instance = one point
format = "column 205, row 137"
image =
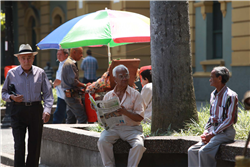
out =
column 223, row 72
column 117, row 67
column 65, row 51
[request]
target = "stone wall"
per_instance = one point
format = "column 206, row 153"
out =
column 71, row 145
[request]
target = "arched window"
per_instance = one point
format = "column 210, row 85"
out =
column 217, row 31
column 57, row 21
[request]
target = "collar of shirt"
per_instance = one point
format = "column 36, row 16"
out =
column 126, row 91
column 220, row 92
column 62, row 62
column 20, row 70
column 72, row 60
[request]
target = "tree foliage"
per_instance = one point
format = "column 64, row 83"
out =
column 2, row 18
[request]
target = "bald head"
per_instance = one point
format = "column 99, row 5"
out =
column 76, row 53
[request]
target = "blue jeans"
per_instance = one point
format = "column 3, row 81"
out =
column 60, row 113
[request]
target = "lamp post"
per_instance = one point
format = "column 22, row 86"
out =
column 9, row 52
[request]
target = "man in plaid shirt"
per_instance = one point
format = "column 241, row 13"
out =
column 219, row 129
column 89, row 66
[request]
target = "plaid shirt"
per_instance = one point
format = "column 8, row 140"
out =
column 89, row 66
column 218, row 102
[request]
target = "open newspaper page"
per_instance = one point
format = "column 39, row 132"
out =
column 107, row 112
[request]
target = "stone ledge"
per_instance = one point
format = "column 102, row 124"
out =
column 7, row 159
column 75, row 135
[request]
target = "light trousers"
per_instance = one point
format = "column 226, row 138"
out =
column 132, row 134
column 203, row 155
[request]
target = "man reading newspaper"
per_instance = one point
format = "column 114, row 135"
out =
column 107, row 111
column 132, row 109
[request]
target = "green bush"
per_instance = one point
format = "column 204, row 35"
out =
column 242, row 127
column 194, row 128
column 2, row 103
column 54, row 95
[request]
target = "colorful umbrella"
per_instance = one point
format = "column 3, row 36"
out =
column 103, row 27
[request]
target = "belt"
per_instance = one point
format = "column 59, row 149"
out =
column 27, row 103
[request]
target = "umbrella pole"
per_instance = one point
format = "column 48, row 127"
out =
column 109, row 54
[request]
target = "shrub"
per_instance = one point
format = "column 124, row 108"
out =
column 194, row 128
column 2, row 103
column 54, row 95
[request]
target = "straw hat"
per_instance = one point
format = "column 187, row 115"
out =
column 25, row 49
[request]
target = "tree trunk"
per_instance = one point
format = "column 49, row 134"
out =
column 173, row 91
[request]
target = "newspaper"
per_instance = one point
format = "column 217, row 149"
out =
column 107, row 112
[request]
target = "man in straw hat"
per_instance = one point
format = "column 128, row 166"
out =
column 31, row 86
column 219, row 128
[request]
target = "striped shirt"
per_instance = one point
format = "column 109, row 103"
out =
column 89, row 66
column 49, row 72
column 218, row 102
column 30, row 85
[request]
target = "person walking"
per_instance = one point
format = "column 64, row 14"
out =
column 49, row 71
column 89, row 65
column 72, row 88
column 60, row 113
column 30, row 86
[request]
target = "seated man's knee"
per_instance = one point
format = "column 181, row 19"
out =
column 139, row 142
column 202, row 152
column 190, row 150
column 100, row 142
column 139, row 145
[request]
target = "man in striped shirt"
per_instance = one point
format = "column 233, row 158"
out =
column 89, row 66
column 219, row 128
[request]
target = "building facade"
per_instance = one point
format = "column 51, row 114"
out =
column 34, row 20
column 219, row 33
column 220, row 36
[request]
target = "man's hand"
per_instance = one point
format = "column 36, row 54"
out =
column 17, row 98
column 56, row 83
column 46, row 117
column 80, row 100
column 206, row 137
column 81, row 85
column 135, row 117
column 122, row 110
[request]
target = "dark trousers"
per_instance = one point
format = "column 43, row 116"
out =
column 60, row 113
column 85, row 80
column 23, row 118
column 75, row 111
